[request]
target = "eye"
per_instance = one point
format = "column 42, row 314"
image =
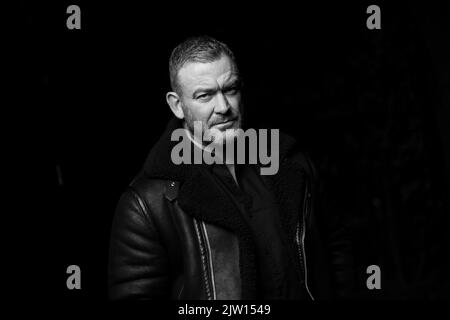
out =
column 232, row 90
column 203, row 96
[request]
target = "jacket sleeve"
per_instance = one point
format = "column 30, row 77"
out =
column 338, row 244
column 138, row 263
column 334, row 239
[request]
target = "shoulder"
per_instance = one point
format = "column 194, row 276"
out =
column 291, row 152
column 145, row 204
column 154, row 189
column 303, row 160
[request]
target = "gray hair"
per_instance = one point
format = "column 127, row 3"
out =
column 196, row 49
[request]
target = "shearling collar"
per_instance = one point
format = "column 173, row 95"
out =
column 159, row 164
column 203, row 201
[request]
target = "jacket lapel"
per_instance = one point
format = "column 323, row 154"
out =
column 288, row 186
column 197, row 195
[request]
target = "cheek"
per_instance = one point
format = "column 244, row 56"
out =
column 235, row 103
column 201, row 111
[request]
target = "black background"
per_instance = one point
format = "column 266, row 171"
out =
column 371, row 107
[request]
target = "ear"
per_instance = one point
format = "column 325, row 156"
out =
column 174, row 102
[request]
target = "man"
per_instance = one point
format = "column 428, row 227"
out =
column 218, row 231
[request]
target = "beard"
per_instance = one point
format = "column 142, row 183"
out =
column 212, row 133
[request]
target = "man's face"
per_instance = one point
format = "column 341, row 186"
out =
column 211, row 94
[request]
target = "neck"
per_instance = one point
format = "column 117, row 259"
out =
column 199, row 144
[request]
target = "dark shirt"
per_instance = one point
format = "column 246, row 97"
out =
column 277, row 277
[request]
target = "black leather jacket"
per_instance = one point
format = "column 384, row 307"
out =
column 174, row 236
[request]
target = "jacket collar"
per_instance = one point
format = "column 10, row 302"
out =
column 159, row 164
column 200, row 199
column 207, row 203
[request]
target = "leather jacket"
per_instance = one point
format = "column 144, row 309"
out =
column 174, row 236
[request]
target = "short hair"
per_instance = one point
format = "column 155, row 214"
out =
column 196, row 49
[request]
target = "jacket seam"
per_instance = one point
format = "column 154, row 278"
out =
column 303, row 234
column 203, row 258
column 145, row 210
column 210, row 260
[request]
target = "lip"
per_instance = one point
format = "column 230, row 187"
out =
column 225, row 124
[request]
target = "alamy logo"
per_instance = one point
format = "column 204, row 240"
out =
column 74, row 280
column 229, row 147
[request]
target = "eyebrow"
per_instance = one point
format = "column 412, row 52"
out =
column 205, row 90
column 235, row 82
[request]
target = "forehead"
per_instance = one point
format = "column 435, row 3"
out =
column 217, row 72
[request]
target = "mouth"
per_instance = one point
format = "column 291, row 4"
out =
column 226, row 124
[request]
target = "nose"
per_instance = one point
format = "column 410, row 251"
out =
column 222, row 104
